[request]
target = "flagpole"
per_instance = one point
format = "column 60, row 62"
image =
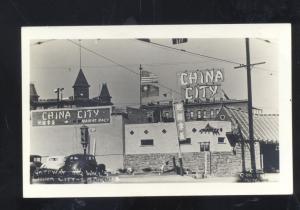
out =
column 141, row 85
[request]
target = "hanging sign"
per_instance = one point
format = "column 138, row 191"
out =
column 180, row 122
column 201, row 84
column 70, row 116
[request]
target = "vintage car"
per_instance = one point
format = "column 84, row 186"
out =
column 54, row 162
column 80, row 163
column 35, row 163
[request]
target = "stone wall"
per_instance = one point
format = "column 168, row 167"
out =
column 195, row 161
column 225, row 164
column 218, row 163
column 153, row 161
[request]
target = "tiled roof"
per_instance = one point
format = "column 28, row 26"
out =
column 265, row 126
column 81, row 80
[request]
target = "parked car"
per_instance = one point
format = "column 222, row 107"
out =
column 79, row 163
column 35, row 163
column 54, row 162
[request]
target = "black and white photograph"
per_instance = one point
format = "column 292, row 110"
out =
column 156, row 110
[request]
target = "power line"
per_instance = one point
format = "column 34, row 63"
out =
column 198, row 54
column 120, row 65
column 189, row 52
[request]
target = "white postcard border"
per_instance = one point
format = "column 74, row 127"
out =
column 281, row 32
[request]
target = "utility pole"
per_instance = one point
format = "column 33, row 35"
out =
column 250, row 115
column 141, row 85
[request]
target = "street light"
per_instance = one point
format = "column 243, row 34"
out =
column 84, row 132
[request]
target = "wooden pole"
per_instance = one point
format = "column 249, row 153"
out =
column 250, row 115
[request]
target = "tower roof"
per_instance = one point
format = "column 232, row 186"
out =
column 33, row 90
column 81, row 80
column 104, row 92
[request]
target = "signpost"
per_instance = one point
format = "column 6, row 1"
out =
column 178, row 111
column 58, row 117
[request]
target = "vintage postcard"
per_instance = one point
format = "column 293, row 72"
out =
column 157, row 110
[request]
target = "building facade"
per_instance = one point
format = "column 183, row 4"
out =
column 163, row 112
column 146, row 136
column 205, row 150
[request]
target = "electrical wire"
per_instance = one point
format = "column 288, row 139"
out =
column 198, row 54
column 120, row 65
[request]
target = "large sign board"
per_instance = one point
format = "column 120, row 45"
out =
column 70, row 116
column 201, row 84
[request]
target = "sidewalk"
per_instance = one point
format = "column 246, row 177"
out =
column 177, row 178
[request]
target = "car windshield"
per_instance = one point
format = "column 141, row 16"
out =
column 37, row 159
column 88, row 157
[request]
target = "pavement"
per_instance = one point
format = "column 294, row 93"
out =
column 186, row 178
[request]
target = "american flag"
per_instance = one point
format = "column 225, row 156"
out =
column 149, row 82
column 148, row 77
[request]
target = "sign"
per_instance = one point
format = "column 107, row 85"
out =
column 179, row 40
column 201, row 84
column 70, row 116
column 209, row 129
column 179, row 114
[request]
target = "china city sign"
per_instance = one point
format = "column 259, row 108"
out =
column 70, row 116
column 201, row 84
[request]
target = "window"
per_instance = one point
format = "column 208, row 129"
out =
column 204, row 146
column 37, row 159
column 167, row 114
column 186, row 141
column 192, row 114
column 186, row 114
column 217, row 111
column 222, row 117
column 221, row 140
column 204, row 114
column 212, row 113
column 147, row 142
column 199, row 114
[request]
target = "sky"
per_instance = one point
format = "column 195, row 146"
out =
column 56, row 63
